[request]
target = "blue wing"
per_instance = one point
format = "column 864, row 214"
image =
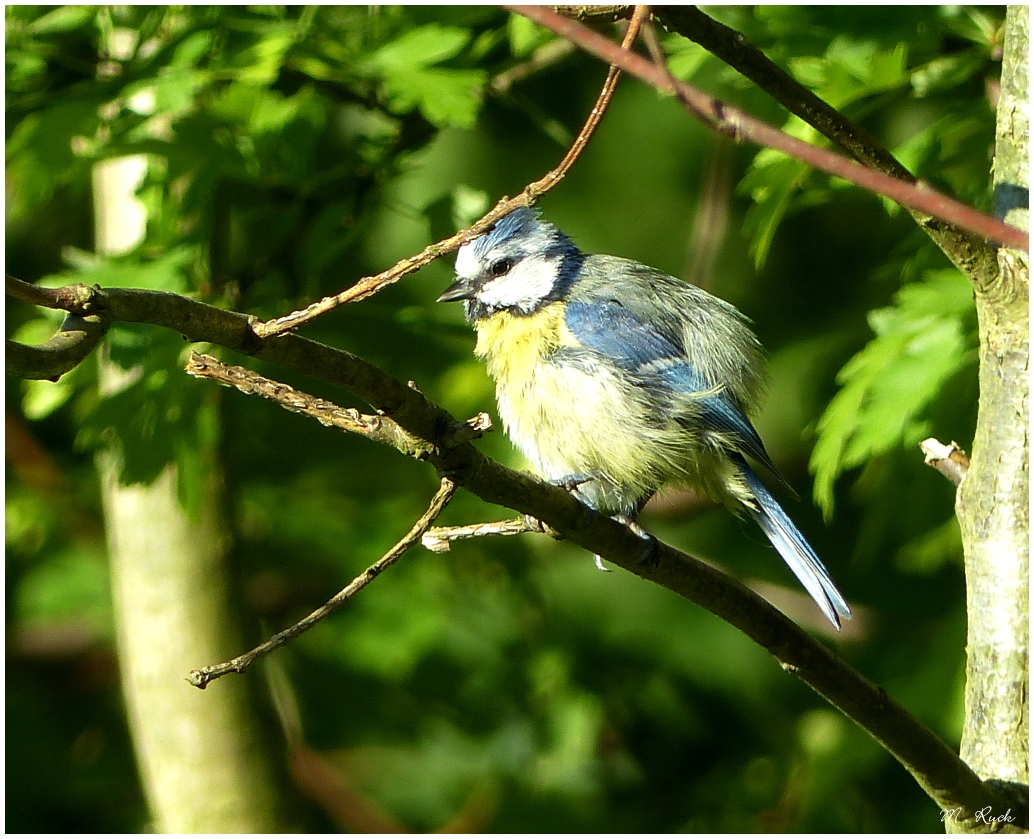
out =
column 612, row 330
column 656, row 353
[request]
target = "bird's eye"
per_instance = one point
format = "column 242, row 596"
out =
column 500, row 267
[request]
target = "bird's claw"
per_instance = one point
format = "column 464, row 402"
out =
column 650, row 550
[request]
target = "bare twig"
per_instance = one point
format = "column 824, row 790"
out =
column 741, row 126
column 201, row 678
column 382, row 429
column 596, row 14
column 437, row 539
column 951, row 461
column 371, row 285
column 377, row 427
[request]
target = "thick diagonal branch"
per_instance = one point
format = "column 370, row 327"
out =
column 974, row 257
column 445, row 444
column 733, row 122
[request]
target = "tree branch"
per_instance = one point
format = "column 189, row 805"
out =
column 377, row 428
column 532, row 192
column 201, row 678
column 974, row 257
column 444, row 442
column 949, row 460
column 740, row 126
column 438, row 539
column 66, row 350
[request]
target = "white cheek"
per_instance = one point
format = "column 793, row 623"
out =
column 466, row 264
column 527, row 283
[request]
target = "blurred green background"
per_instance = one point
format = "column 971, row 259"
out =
column 294, row 150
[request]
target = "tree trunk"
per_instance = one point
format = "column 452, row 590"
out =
column 204, row 765
column 993, row 499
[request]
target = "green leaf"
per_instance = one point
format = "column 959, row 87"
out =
column 525, row 35
column 63, row 19
column 444, row 96
column 71, row 584
column 420, row 47
column 686, row 58
column 852, row 69
column 947, row 72
column 157, row 414
column 42, row 398
column 165, row 273
column 772, row 181
column 921, row 342
column 40, row 153
column 260, row 63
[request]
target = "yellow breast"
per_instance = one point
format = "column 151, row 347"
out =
column 514, row 346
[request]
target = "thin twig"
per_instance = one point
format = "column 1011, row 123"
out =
column 741, row 126
column 546, row 55
column 201, row 678
column 379, row 428
column 951, row 461
column 596, row 14
column 371, row 285
column 438, row 539
column 551, row 179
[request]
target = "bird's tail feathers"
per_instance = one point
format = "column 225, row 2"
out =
column 795, row 550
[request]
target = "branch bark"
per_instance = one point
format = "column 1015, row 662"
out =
column 993, row 499
column 741, row 126
column 974, row 257
column 444, row 443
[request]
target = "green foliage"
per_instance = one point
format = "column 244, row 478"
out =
column 411, row 78
column 291, row 150
column 921, row 343
column 881, row 69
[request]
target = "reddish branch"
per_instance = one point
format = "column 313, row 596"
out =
column 742, row 127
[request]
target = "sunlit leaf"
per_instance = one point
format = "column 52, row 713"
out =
column 919, row 344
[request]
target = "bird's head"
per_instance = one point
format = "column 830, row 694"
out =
column 518, row 266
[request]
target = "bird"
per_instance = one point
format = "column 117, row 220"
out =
column 615, row 379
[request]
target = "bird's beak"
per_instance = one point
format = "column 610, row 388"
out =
column 462, row 289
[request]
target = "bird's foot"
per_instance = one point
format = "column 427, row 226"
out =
column 650, row 549
column 573, row 484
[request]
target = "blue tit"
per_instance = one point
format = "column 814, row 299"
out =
column 615, row 379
